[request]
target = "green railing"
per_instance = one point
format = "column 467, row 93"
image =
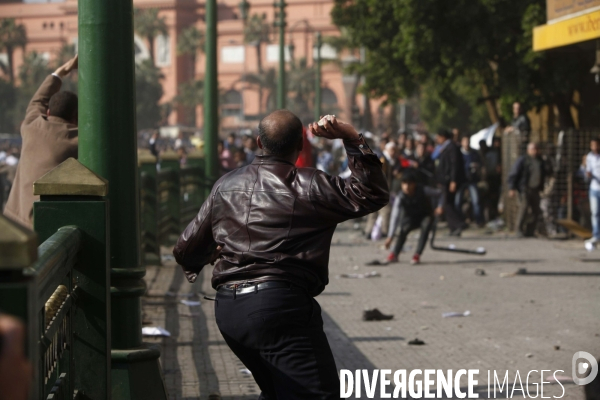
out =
column 170, row 197
column 49, row 290
column 62, row 290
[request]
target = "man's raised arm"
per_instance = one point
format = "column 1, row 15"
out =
column 364, row 192
column 51, row 85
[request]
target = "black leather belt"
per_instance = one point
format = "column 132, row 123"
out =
column 249, row 287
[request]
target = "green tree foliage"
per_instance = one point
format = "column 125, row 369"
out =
column 148, row 92
column 32, row 73
column 412, row 43
column 256, row 33
column 190, row 42
column 264, row 81
column 191, row 95
column 149, row 25
column 12, row 36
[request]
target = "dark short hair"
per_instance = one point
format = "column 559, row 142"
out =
column 444, row 133
column 595, row 139
column 64, row 105
column 408, row 177
column 281, row 139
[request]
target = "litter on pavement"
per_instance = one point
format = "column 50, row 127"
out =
column 372, row 274
column 416, row 342
column 190, row 303
column 155, row 331
column 456, row 314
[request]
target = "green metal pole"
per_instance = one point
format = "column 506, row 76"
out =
column 281, row 88
column 318, row 78
column 211, row 99
column 107, row 145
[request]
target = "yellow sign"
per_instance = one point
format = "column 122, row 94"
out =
column 562, row 8
column 570, row 31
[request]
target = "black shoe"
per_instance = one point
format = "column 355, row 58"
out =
column 376, row 315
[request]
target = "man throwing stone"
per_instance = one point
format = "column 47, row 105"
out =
column 268, row 226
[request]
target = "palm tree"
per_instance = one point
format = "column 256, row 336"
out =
column 149, row 25
column 12, row 35
column 256, row 33
column 191, row 95
column 190, row 42
column 264, row 81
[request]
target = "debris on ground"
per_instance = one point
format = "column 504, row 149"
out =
column 372, row 274
column 456, row 314
column 190, row 303
column 520, row 271
column 416, row 342
column 377, row 263
column 155, row 331
column 556, row 347
column 167, row 257
column 376, row 315
column 480, row 272
column 529, row 355
column 246, row 371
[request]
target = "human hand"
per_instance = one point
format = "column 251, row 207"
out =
column 588, row 174
column 333, row 129
column 15, row 369
column 67, row 67
column 512, row 193
column 215, row 255
column 388, row 243
column 439, row 211
column 452, row 187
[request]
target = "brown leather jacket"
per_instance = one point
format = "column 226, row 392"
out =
column 275, row 221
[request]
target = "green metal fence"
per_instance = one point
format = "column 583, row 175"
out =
column 170, row 197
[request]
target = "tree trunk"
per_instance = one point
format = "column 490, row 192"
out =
column 151, row 48
column 565, row 118
column 11, row 72
column 258, row 57
column 490, row 104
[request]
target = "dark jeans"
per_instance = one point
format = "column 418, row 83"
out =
column 278, row 334
column 453, row 216
column 409, row 225
column 529, row 200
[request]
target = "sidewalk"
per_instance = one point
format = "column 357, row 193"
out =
column 525, row 322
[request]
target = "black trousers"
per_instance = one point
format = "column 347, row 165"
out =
column 409, row 225
column 278, row 334
column 454, row 217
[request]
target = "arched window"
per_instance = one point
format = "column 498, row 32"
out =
column 328, row 97
column 232, row 104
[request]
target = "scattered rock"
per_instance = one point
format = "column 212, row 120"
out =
column 416, row 342
column 480, row 272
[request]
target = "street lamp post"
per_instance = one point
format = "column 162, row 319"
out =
column 211, row 99
column 280, row 23
column 318, row 77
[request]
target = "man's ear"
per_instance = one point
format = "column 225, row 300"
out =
column 258, row 142
column 48, row 112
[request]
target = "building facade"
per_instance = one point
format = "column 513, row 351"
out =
column 52, row 24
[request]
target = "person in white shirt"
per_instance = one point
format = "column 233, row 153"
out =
column 592, row 173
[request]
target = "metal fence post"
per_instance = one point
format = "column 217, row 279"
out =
column 148, row 210
column 71, row 194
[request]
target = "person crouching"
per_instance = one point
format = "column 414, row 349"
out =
column 412, row 210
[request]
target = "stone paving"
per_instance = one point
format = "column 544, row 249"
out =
column 518, row 323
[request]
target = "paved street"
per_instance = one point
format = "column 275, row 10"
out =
column 518, row 323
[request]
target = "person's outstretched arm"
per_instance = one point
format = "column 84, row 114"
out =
column 196, row 246
column 51, row 85
column 365, row 191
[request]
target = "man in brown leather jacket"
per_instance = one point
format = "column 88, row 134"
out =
column 269, row 226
